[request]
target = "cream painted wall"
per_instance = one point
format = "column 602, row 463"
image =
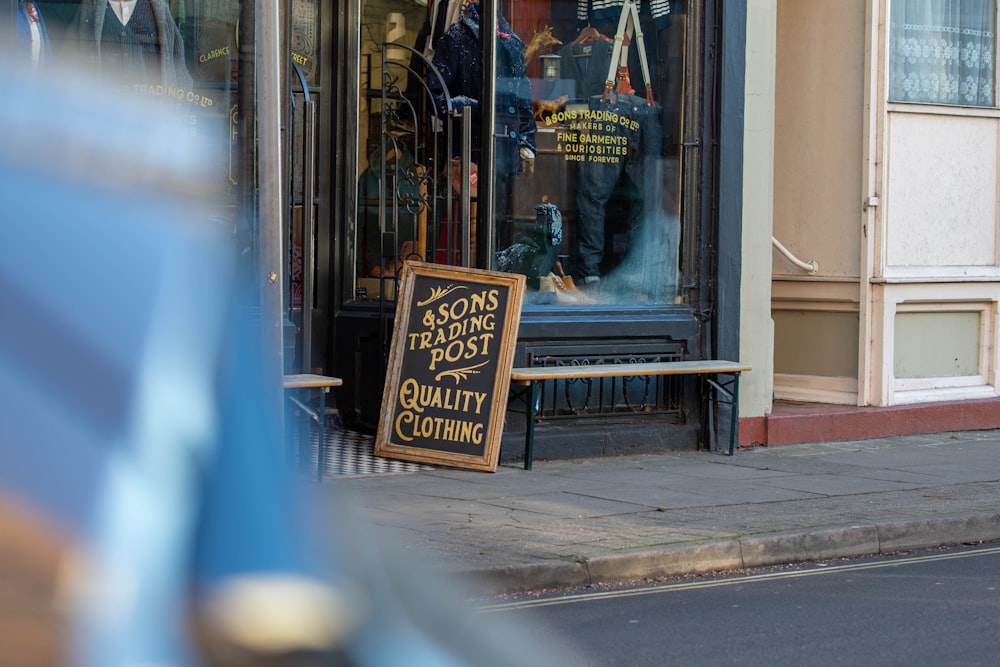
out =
column 819, row 102
column 810, row 342
column 943, row 189
column 937, row 344
column 937, row 341
column 938, row 251
column 932, row 250
column 756, row 328
column 818, row 154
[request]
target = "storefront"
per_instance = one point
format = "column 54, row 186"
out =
column 592, row 145
column 605, row 196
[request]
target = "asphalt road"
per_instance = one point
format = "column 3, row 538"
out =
column 933, row 608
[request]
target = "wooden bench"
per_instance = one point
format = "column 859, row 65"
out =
column 709, row 370
column 324, row 383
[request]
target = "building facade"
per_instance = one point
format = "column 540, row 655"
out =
column 805, row 187
column 596, row 172
column 581, row 145
column 871, row 170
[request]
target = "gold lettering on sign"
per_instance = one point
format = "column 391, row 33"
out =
column 214, row 54
column 457, row 331
column 593, row 135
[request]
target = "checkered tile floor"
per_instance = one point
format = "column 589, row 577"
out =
column 352, row 453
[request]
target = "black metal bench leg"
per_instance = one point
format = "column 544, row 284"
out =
column 529, row 425
column 321, row 444
column 731, row 397
column 734, row 414
column 704, row 433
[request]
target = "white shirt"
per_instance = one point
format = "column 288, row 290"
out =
column 123, row 9
column 36, row 42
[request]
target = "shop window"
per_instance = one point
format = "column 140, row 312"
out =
column 943, row 52
column 182, row 52
column 586, row 159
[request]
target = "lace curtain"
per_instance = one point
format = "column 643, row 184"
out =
column 942, row 51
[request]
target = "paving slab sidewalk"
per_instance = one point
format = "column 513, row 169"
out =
column 603, row 520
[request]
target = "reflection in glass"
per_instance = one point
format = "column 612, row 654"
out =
column 182, row 53
column 587, row 174
column 136, row 40
column 606, row 154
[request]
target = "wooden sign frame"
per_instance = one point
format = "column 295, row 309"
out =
column 448, row 376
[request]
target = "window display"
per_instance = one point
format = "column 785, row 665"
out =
column 586, row 175
column 183, row 53
column 137, row 41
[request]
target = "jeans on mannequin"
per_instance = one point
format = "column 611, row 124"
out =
column 637, row 128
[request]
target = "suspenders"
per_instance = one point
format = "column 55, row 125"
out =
column 627, row 22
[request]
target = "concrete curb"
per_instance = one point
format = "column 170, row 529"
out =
column 673, row 560
column 736, row 553
column 922, row 533
column 782, row 548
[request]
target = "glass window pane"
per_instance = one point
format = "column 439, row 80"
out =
column 397, row 148
column 586, row 176
column 943, row 52
column 305, row 38
column 587, row 173
column 180, row 51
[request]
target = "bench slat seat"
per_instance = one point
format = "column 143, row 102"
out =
column 711, row 366
column 313, row 381
column 709, row 370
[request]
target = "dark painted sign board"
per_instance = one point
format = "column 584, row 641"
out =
column 449, row 366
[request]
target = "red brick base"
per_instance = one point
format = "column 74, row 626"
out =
column 792, row 423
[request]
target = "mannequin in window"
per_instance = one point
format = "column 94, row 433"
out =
column 457, row 57
column 135, row 39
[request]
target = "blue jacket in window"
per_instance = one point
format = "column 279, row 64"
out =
column 457, row 58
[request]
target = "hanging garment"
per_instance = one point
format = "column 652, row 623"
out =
column 443, row 14
column 587, row 64
column 88, row 28
column 621, row 156
column 606, row 11
column 632, row 142
column 457, row 58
